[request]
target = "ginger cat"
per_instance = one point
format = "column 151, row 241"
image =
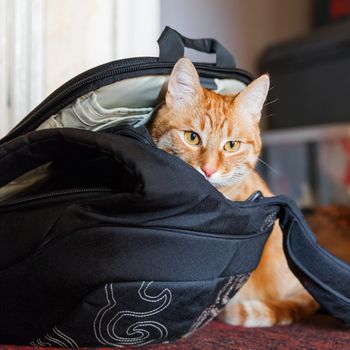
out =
column 220, row 137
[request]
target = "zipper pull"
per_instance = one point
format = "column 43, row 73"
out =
column 256, row 196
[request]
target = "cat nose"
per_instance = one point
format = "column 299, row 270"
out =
column 208, row 171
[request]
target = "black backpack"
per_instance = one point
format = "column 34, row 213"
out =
column 108, row 241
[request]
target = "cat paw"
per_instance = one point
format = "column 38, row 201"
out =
column 250, row 313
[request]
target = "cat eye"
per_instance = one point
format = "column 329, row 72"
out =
column 192, row 138
column 232, row 146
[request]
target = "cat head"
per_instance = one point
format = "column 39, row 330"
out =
column 218, row 135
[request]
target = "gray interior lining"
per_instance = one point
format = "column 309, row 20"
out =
column 130, row 100
column 24, row 182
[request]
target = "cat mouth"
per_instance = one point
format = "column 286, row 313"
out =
column 213, row 179
column 219, row 180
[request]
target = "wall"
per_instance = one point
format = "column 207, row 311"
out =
column 81, row 37
column 245, row 27
column 44, row 43
column 21, row 65
column 76, row 38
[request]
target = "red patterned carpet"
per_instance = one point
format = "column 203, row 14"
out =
column 319, row 332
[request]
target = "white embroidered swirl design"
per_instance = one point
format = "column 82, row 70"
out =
column 138, row 333
column 58, row 338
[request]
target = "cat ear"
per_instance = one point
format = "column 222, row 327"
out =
column 251, row 99
column 183, row 84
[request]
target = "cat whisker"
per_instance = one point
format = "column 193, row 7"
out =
column 268, row 116
column 270, row 102
column 269, row 166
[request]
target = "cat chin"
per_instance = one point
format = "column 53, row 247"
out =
column 227, row 181
column 218, row 181
column 221, row 182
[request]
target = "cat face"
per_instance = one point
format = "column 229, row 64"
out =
column 218, row 135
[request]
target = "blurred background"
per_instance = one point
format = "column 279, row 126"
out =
column 303, row 44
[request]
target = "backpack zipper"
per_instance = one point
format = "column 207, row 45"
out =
column 54, row 194
column 128, row 131
column 101, row 72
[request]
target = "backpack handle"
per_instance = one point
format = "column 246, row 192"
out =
column 172, row 47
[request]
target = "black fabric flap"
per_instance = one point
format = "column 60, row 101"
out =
column 159, row 192
column 169, row 225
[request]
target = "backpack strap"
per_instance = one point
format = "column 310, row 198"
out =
column 325, row 276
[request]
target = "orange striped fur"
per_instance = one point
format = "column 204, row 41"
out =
column 272, row 294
